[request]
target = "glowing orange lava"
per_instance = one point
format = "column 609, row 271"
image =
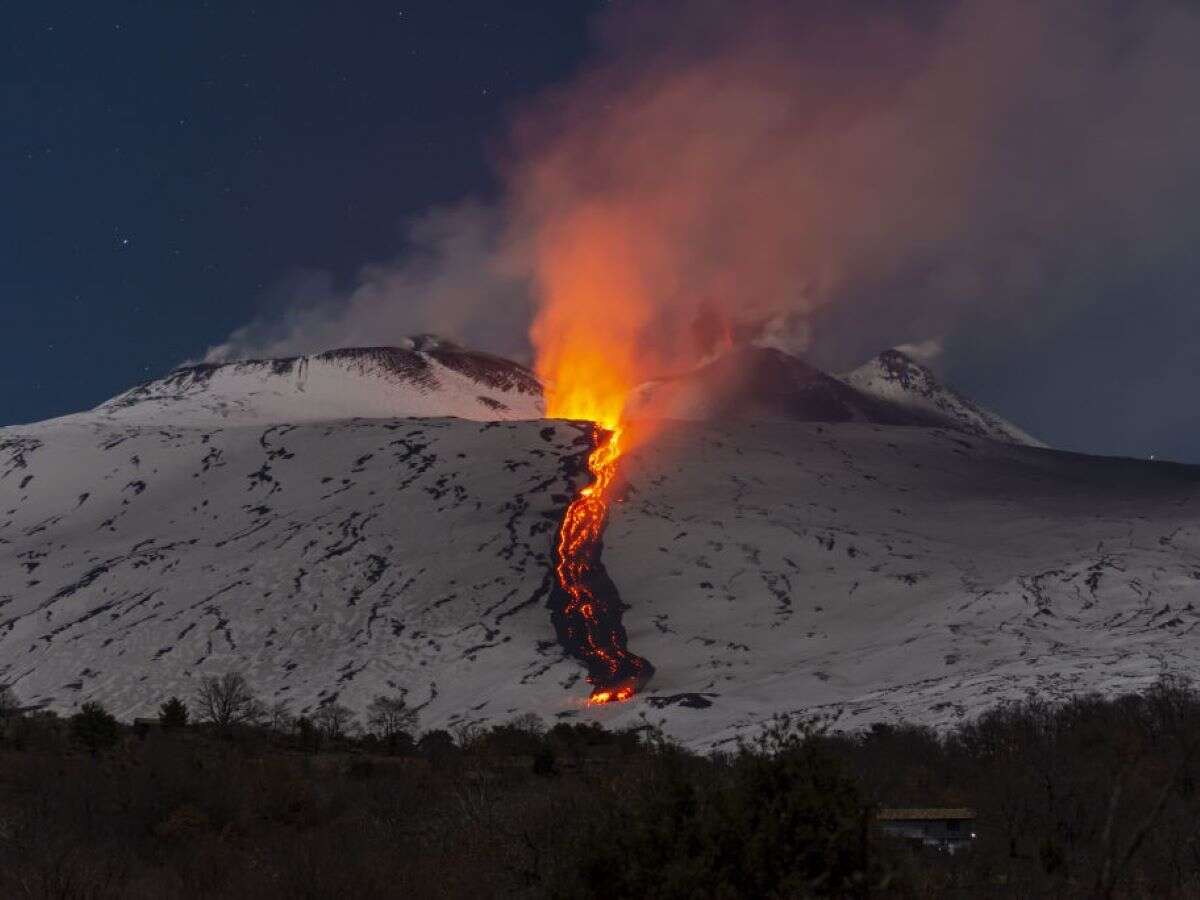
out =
column 591, row 613
column 592, row 307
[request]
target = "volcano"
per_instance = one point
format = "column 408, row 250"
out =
column 422, row 376
column 899, row 380
column 803, row 555
column 765, row 384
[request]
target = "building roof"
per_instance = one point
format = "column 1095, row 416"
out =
column 926, row 814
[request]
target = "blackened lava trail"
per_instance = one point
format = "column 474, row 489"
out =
column 585, row 603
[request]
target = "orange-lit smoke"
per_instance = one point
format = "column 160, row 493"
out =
column 827, row 176
column 587, row 330
column 689, row 183
column 817, row 173
column 586, row 337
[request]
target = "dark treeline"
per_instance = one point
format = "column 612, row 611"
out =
column 222, row 796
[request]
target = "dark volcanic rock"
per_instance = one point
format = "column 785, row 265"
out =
column 763, row 383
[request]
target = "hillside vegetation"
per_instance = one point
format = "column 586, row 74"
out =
column 1094, row 797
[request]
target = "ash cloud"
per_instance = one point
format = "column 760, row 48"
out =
column 833, row 178
column 452, row 280
column 875, row 176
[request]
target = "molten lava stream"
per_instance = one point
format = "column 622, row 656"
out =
column 589, row 617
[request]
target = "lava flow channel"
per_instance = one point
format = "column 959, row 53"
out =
column 587, row 607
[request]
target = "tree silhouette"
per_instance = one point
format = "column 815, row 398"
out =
column 95, row 727
column 173, row 714
column 227, row 700
column 392, row 720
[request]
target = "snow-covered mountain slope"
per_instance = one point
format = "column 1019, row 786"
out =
column 345, row 559
column 870, row 572
column 763, row 384
column 897, row 573
column 424, row 376
column 897, row 378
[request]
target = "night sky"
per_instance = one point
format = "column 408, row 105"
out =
column 165, row 165
column 168, row 170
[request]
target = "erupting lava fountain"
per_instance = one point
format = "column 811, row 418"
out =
column 585, row 380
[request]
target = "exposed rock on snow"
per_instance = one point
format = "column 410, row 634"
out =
column 896, row 378
column 423, row 377
column 324, row 560
column 868, row 571
column 426, row 376
column 877, row 573
column 762, row 383
column 765, row 384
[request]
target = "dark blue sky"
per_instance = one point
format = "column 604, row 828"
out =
column 164, row 165
column 168, row 169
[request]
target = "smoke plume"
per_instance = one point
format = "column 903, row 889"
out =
column 825, row 176
column 451, row 280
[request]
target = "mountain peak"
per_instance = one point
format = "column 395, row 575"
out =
column 423, row 375
column 900, row 363
column 427, row 342
column 768, row 384
column 896, row 377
